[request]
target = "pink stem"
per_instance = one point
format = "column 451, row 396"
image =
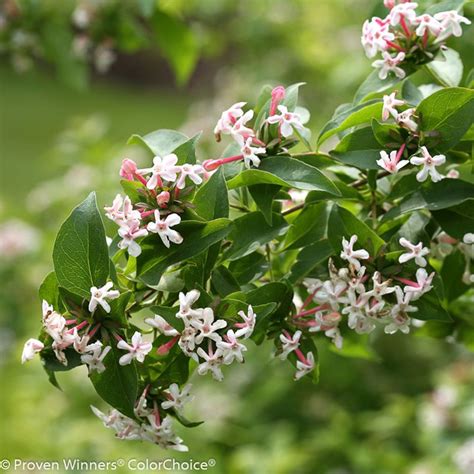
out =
column 404, row 26
column 147, row 213
column 210, row 165
column 78, row 327
column 71, row 321
column 301, row 356
column 157, row 414
column 309, row 311
column 400, row 153
column 408, row 282
column 394, row 45
column 140, row 178
column 117, row 337
column 259, row 142
column 94, row 330
column 309, row 299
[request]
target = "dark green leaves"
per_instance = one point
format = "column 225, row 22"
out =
column 446, row 116
column 117, row 385
column 285, row 171
column 342, row 223
column 252, row 231
column 357, row 115
column 80, row 252
column 211, row 199
column 197, row 237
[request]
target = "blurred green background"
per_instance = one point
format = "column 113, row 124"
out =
column 408, row 408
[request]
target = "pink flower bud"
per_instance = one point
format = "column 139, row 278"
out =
column 163, row 198
column 128, row 169
column 278, row 94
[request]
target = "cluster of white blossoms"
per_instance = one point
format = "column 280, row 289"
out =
column 148, row 425
column 446, row 244
column 69, row 333
column 235, row 123
column 392, row 162
column 200, row 338
column 403, row 32
column 164, row 183
column 366, row 300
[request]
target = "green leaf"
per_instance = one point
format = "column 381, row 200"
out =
column 197, row 237
column 211, row 200
column 309, row 257
column 291, row 96
column 411, row 93
column 263, row 195
column 451, row 274
column 309, row 226
column 342, row 223
column 448, row 68
column 186, row 152
column 446, row 116
column 430, row 309
column 373, row 85
column 117, row 385
column 177, row 43
column 362, row 159
column 80, row 254
column 49, row 290
column 284, row 171
column 445, row 5
column 160, row 142
column 387, row 135
column 251, row 231
column 224, row 282
column 249, row 268
column 433, row 197
column 456, row 220
column 357, row 115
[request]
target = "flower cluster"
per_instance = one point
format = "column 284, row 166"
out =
column 66, row 333
column 392, row 162
column 200, row 338
column 406, row 36
column 235, row 123
column 347, row 293
column 164, row 186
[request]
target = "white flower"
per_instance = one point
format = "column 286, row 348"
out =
column 228, row 119
column 129, row 234
column 187, row 342
column 191, row 171
column 429, row 165
column 121, row 211
column 100, row 295
column 163, row 168
column 335, row 335
column 353, row 256
column 403, row 303
column 390, row 104
column 464, row 457
column 426, row 23
column 212, row 362
column 375, row 34
column 289, row 344
column 162, row 325
column 391, row 162
column 231, row 348
column 286, row 121
column 138, row 349
column 390, row 64
column 468, row 238
column 451, row 22
column 250, row 152
column 405, row 11
column 405, row 119
column 32, row 347
column 400, row 322
column 246, row 328
column 423, row 284
column 207, row 327
column 53, row 322
column 176, row 398
column 304, row 368
column 114, row 420
column 186, row 300
column 240, row 130
column 163, row 228
column 94, row 356
column 415, row 251
column 330, row 292
column 380, row 287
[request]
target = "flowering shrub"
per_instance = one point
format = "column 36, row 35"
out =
column 372, row 231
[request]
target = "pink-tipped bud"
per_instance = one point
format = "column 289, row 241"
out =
column 210, row 165
column 128, row 169
column 278, row 94
column 163, row 198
